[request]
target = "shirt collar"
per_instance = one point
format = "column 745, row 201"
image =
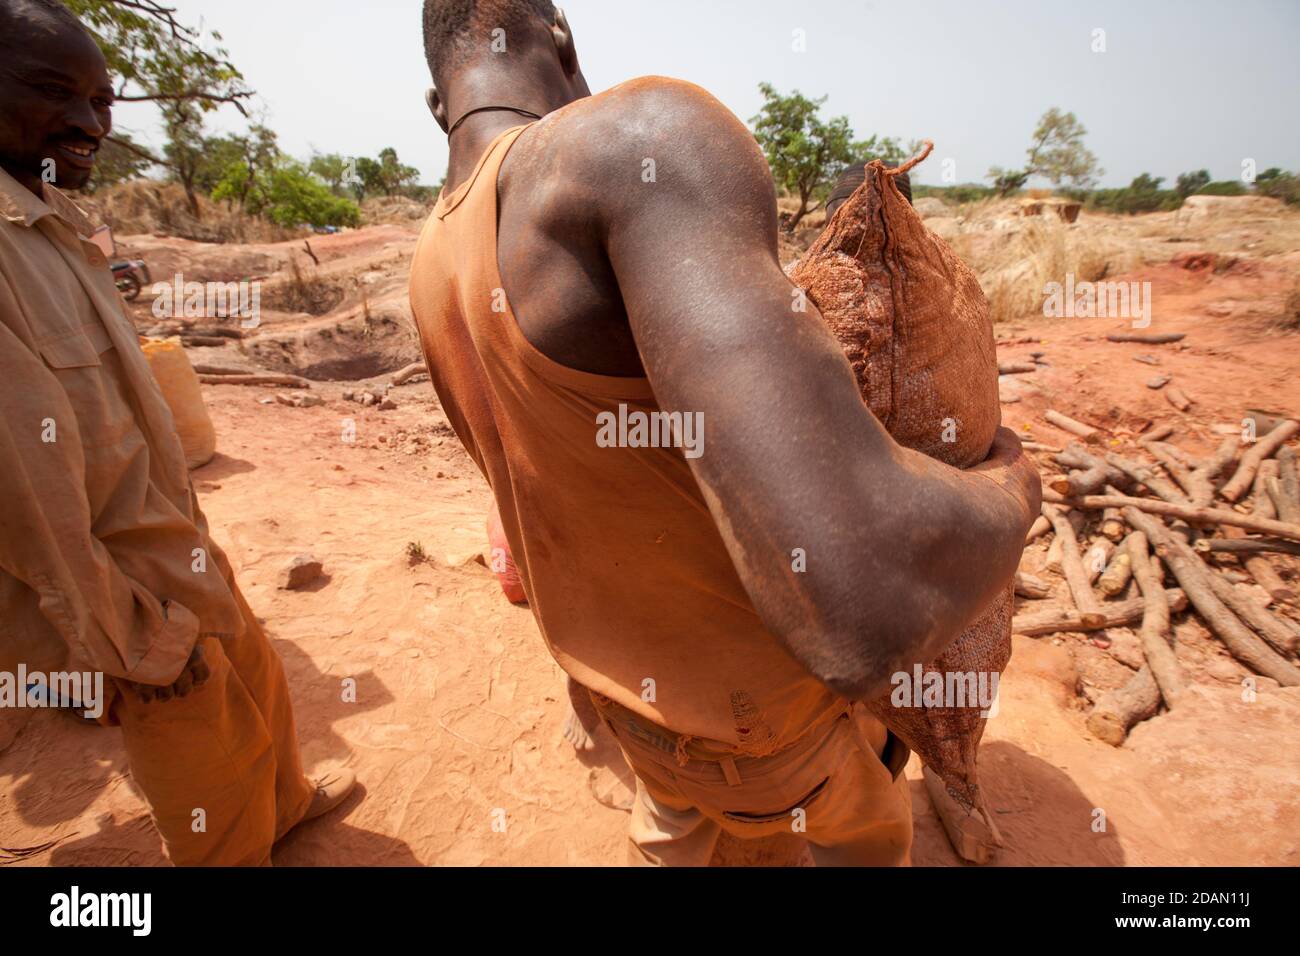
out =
column 20, row 206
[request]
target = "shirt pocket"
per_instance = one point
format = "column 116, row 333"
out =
column 79, row 358
column 76, row 348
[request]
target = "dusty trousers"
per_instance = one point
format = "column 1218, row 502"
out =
column 228, row 749
column 841, row 788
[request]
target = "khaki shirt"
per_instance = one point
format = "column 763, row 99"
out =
column 105, row 559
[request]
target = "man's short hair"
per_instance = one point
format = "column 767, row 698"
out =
column 451, row 26
column 18, row 18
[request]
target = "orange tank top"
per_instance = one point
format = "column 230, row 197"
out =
column 625, row 571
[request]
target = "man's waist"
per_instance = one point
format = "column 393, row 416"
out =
column 687, row 747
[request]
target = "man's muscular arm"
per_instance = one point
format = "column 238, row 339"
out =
column 902, row 551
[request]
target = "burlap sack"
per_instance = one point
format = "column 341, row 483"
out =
column 915, row 326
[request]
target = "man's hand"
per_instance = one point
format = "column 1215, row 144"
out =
column 194, row 675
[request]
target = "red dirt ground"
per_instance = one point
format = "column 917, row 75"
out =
column 459, row 706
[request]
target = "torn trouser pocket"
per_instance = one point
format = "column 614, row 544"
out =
column 895, row 755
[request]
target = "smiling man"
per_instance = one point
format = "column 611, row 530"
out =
column 105, row 559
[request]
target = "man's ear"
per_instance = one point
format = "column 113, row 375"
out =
column 563, row 36
column 436, row 106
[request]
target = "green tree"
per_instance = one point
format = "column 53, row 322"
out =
column 1228, row 187
column 233, row 165
column 1190, row 183
column 369, row 179
column 333, row 169
column 288, row 194
column 1142, row 195
column 219, row 154
column 394, row 177
column 155, row 58
column 1056, row 153
column 1279, row 184
column 184, row 149
column 148, row 50
column 804, row 151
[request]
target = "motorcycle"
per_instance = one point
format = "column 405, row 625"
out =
column 130, row 275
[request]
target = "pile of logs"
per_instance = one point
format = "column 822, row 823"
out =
column 1211, row 524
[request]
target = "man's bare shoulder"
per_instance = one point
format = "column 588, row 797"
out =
column 599, row 151
column 627, row 132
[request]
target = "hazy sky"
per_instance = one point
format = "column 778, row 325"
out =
column 1182, row 84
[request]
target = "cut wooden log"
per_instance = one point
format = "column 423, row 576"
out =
column 1016, row 368
column 1176, row 397
column 1158, row 486
column 1261, row 570
column 1192, row 574
column 1097, row 558
column 1038, row 446
column 1112, row 524
column 408, row 373
column 1277, row 634
column 1256, row 562
column 1121, row 709
column 1159, row 433
column 1028, row 586
column 1147, row 338
column 1154, row 634
column 1058, row 619
column 1077, row 483
column 1052, row 560
column 1261, row 501
column 1115, row 579
column 1174, row 465
column 1262, row 450
column 1089, row 434
column 286, row 381
column 212, row 331
column 1039, row 528
column 1076, row 576
column 1195, row 516
column 1091, row 475
column 1280, row 633
column 1231, row 544
column 209, row 368
column 1217, row 465
column 1288, row 507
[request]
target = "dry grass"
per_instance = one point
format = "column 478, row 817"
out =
column 145, row 206
column 1016, row 263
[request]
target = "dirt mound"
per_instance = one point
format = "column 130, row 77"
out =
column 146, row 206
column 1216, row 207
column 393, row 210
column 168, row 256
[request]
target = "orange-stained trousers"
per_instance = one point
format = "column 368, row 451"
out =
column 228, row 749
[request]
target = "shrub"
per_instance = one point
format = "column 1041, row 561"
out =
column 1226, row 188
column 1278, row 184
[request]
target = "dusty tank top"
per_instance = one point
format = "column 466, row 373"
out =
column 624, row 568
